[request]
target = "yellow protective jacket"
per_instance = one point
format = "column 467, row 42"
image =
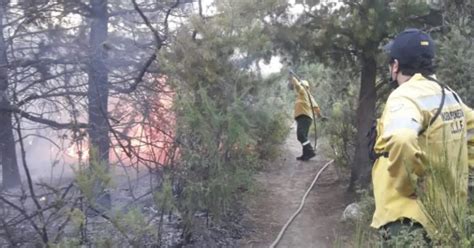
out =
column 408, row 110
column 303, row 104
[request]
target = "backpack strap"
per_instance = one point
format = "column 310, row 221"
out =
column 441, row 104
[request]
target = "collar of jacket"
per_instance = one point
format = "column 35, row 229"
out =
column 419, row 77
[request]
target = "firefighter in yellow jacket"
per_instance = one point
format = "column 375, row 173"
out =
column 423, row 121
column 304, row 107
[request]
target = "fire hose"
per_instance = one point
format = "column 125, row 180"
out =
column 290, row 220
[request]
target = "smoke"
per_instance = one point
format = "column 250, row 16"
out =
column 46, row 157
column 55, row 57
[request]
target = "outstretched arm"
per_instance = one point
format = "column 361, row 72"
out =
column 296, row 83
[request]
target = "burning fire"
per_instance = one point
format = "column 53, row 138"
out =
column 77, row 153
column 147, row 136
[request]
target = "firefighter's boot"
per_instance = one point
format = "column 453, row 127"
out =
column 308, row 153
column 300, row 157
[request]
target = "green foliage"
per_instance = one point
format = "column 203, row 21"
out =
column 227, row 116
column 104, row 242
column 93, row 180
column 66, row 243
column 341, row 110
column 270, row 116
column 215, row 160
column 456, row 60
column 134, row 226
column 163, row 198
column 273, row 130
column 341, row 133
column 214, row 154
column 443, row 195
column 78, row 219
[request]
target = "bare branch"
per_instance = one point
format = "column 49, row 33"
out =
column 159, row 43
column 139, row 78
column 50, row 123
column 22, row 212
column 156, row 34
column 168, row 15
column 44, row 233
column 35, row 96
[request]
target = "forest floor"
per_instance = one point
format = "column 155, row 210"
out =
column 278, row 193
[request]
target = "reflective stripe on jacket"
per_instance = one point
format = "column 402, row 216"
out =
column 408, row 110
column 302, row 104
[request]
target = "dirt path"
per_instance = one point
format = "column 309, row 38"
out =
column 280, row 189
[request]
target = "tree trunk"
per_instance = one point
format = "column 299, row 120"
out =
column 98, row 91
column 361, row 166
column 10, row 172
